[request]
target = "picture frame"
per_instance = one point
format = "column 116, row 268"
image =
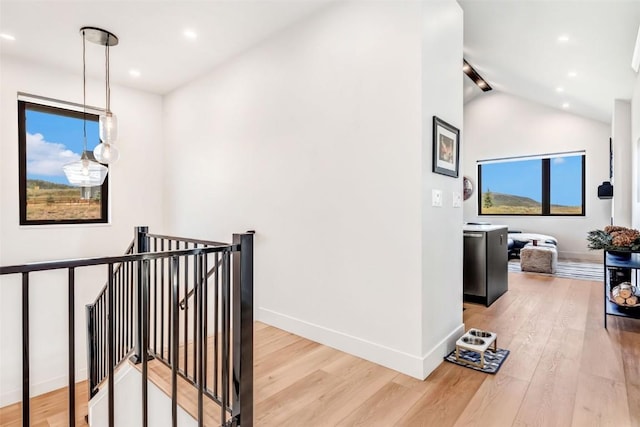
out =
column 446, row 148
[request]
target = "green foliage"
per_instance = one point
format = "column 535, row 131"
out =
column 488, row 199
column 46, row 185
column 598, row 239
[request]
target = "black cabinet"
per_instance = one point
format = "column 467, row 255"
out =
column 485, row 275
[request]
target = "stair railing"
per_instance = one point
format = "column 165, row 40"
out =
column 96, row 316
column 110, row 340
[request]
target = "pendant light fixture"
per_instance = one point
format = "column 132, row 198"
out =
column 85, row 172
column 106, row 152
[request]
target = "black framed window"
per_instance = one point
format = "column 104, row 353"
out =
column 50, row 137
column 552, row 184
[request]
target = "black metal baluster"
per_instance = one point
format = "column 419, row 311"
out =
column 225, row 337
column 116, row 311
column 25, row 351
column 205, row 311
column 71, row 307
column 91, row 341
column 130, row 297
column 105, row 331
column 185, row 351
column 195, row 311
column 194, row 352
column 110, row 349
column 121, row 313
column 155, row 298
column 126, row 306
column 216, row 327
column 101, row 347
column 170, row 310
column 98, row 326
column 199, row 340
column 162, row 304
column 175, row 330
column 145, row 342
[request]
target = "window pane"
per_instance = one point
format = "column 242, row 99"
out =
column 53, row 137
column 566, row 185
column 511, row 188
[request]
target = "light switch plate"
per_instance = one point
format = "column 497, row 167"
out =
column 436, row 198
column 457, row 199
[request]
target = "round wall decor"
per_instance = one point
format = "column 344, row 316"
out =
column 467, row 187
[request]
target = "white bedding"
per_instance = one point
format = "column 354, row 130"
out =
column 527, row 237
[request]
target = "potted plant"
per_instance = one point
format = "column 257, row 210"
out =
column 618, row 240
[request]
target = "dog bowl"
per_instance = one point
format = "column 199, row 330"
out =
column 479, row 333
column 472, row 341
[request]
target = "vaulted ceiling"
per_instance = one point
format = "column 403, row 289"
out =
column 575, row 54
column 514, row 44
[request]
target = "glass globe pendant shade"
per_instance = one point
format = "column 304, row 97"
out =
column 85, row 173
column 106, row 153
column 108, row 127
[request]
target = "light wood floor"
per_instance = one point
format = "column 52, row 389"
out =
column 564, row 369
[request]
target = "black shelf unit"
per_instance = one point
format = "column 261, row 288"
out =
column 624, row 269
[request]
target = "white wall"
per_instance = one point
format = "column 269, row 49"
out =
column 315, row 139
column 635, row 153
column 136, row 199
column 500, row 125
column 621, row 135
column 128, row 403
column 442, row 96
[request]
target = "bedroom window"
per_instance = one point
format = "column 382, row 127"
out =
column 551, row 184
column 50, row 135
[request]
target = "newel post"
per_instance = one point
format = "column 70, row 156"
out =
column 242, row 299
column 141, row 245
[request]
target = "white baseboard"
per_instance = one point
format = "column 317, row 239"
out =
column 36, row 389
column 412, row 365
column 433, row 358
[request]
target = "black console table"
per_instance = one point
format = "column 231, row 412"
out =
column 618, row 269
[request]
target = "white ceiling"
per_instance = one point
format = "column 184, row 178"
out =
column 514, row 46
column 511, row 43
column 150, row 33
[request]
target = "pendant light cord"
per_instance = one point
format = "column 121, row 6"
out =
column 108, row 83
column 84, row 94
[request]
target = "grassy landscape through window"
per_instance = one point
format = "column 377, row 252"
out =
column 551, row 185
column 48, row 200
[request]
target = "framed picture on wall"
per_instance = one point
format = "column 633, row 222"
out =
column 446, row 148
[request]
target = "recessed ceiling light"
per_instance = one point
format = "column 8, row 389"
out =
column 559, row 89
column 565, row 105
column 563, row 38
column 572, row 74
column 134, row 73
column 190, row 34
column 6, row 36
